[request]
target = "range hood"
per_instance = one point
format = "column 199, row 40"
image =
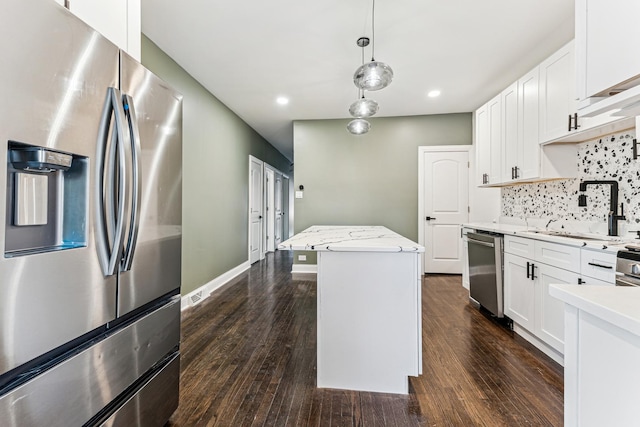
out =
column 627, row 104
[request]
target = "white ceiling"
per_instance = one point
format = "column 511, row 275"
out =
column 247, row 53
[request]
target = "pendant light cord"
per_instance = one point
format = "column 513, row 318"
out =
column 373, row 31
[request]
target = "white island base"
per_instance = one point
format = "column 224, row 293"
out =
column 602, row 352
column 368, row 325
column 369, row 307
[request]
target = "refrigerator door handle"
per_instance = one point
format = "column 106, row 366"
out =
column 110, row 232
column 134, row 223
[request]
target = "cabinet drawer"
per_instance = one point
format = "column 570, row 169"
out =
column 561, row 256
column 598, row 265
column 519, row 246
column 596, row 282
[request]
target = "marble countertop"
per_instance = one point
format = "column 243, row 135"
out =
column 350, row 239
column 605, row 244
column 618, row 305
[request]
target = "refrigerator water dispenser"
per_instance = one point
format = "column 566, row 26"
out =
column 31, row 199
column 46, row 200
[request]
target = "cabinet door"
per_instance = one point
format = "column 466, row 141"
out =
column 549, row 323
column 483, row 146
column 495, row 136
column 509, row 136
column 119, row 21
column 607, row 33
column 557, row 94
column 528, row 134
column 518, row 291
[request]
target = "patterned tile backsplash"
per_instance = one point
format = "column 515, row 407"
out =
column 608, row 158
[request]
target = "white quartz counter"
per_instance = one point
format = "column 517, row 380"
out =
column 596, row 242
column 618, row 305
column 350, row 239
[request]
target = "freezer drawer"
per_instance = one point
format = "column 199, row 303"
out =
column 74, row 391
column 153, row 402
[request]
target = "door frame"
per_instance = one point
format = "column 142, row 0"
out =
column 268, row 211
column 421, row 214
column 256, row 160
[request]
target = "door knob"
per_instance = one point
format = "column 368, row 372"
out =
column 429, row 218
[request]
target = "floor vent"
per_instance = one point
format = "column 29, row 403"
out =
column 196, row 298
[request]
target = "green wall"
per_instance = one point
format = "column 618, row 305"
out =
column 215, row 176
column 369, row 179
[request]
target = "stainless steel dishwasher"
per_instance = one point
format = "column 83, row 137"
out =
column 485, row 271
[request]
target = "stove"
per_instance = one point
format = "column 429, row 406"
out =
column 628, row 266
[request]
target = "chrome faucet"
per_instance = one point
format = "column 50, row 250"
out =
column 612, row 217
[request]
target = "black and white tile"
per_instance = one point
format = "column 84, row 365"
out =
column 608, row 158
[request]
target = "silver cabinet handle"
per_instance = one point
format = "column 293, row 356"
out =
column 134, row 219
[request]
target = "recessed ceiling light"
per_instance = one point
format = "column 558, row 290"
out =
column 282, row 100
column 433, row 94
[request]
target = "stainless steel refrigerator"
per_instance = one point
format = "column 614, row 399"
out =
column 90, row 244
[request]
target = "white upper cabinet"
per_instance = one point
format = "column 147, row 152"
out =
column 483, row 148
column 528, row 148
column 607, row 36
column 509, row 100
column 494, row 111
column 558, row 104
column 117, row 20
column 520, row 148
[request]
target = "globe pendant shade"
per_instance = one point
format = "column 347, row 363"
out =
column 373, row 76
column 358, row 126
column 363, row 107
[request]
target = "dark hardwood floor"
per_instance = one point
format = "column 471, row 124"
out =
column 249, row 359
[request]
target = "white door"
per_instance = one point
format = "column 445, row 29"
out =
column 446, row 208
column 269, row 179
column 286, row 206
column 255, row 210
column 277, row 196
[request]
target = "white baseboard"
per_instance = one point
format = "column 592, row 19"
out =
column 204, row 291
column 537, row 342
column 305, row 268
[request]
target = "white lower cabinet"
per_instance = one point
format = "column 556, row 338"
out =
column 527, row 299
column 519, row 291
column 549, row 324
column 530, row 267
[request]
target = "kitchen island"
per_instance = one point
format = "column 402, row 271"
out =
column 369, row 306
column 602, row 349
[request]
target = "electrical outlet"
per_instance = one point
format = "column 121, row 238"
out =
column 302, row 257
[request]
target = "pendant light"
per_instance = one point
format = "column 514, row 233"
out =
column 358, row 126
column 363, row 107
column 373, row 75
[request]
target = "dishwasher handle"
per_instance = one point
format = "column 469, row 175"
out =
column 480, row 242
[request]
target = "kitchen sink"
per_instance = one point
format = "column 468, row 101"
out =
column 577, row 236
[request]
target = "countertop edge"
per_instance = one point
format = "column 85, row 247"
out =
column 611, row 304
column 528, row 233
column 339, row 239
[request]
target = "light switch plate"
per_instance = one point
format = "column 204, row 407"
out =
column 299, row 194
